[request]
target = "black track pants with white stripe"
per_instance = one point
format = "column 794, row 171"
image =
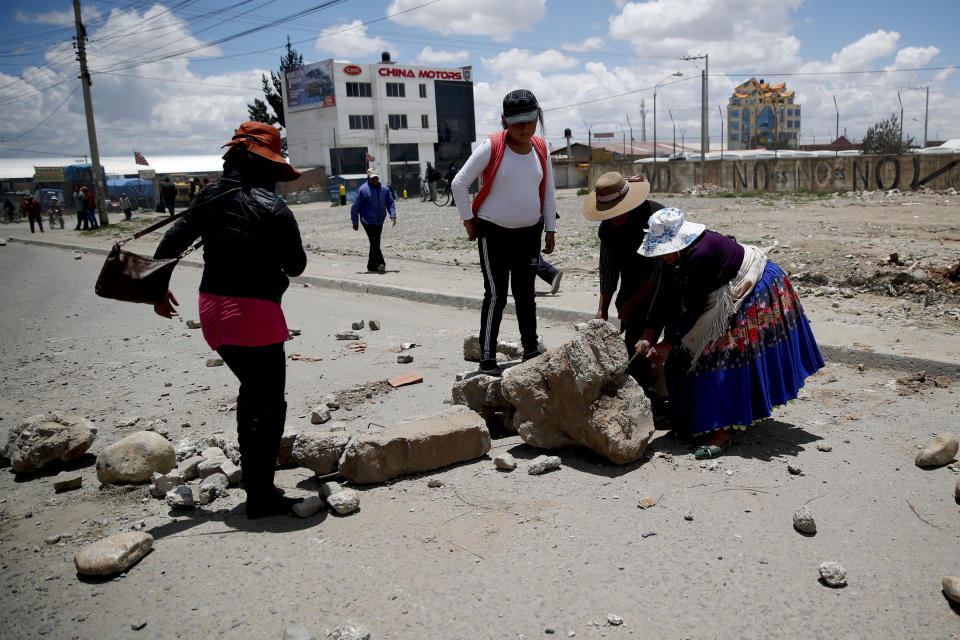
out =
column 514, row 254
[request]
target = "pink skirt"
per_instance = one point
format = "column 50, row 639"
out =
column 242, row 322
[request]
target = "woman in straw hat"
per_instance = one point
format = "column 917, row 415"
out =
column 508, row 218
column 735, row 338
column 251, row 246
column 621, row 206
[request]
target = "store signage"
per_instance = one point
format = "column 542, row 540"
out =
column 48, row 174
column 431, row 74
column 352, row 70
column 147, row 174
column 603, row 135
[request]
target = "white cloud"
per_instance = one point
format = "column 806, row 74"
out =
column 429, row 56
column 350, row 40
column 858, row 55
column 913, row 57
column 63, row 18
column 590, row 44
column 517, row 62
column 498, row 19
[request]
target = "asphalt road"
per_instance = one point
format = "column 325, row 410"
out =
column 487, row 555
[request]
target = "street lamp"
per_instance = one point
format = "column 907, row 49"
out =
column 901, row 119
column 723, row 137
column 676, row 74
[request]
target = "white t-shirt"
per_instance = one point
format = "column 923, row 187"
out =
column 514, row 198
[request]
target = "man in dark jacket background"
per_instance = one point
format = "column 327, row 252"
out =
column 168, row 194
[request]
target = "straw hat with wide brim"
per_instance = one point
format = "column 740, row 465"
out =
column 613, row 195
column 669, row 232
column 264, row 140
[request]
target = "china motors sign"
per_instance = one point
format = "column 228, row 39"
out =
column 352, row 70
column 428, row 74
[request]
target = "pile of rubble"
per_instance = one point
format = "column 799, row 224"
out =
column 578, row 394
column 703, row 189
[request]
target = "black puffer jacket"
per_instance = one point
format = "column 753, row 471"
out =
column 251, row 242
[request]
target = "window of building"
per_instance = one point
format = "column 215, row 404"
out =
column 404, row 152
column 358, row 90
column 789, row 112
column 425, row 121
column 361, row 122
column 736, row 101
column 734, row 113
column 734, row 136
column 396, row 90
column 423, row 91
column 397, row 121
column 734, row 124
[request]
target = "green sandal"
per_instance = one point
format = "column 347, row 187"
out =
column 711, row 451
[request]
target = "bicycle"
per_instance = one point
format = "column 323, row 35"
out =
column 443, row 194
column 56, row 217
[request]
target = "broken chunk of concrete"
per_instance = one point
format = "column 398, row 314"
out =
column 505, row 461
column 422, row 444
column 319, row 452
column 309, row 506
column 580, row 394
column 343, row 501
column 941, row 450
column 484, row 394
column 542, row 464
column 113, row 554
column 45, row 438
column 67, row 480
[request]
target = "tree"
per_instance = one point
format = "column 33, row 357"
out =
column 886, row 137
column 271, row 111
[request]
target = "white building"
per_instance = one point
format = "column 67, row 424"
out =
column 395, row 118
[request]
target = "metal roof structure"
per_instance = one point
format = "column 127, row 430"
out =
column 113, row 166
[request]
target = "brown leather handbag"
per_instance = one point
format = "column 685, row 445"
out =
column 131, row 277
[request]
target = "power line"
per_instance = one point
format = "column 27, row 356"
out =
column 47, row 117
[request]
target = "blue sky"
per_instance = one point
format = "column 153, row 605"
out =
column 172, row 78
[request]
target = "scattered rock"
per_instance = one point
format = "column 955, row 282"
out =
column 135, row 458
column 320, row 414
column 319, row 452
column 213, row 453
column 348, row 335
column 285, row 454
column 138, row 625
column 214, row 362
column 231, row 471
column 343, row 501
column 942, row 450
column 42, row 439
column 803, row 521
column 309, row 506
column 297, row 631
column 357, row 324
column 212, row 488
column 113, row 554
column 181, row 497
column 542, row 464
column 434, row 483
column 67, row 480
column 189, row 467
column 646, row 503
column 294, row 332
column 688, row 516
column 794, row 470
column 484, row 394
column 614, row 620
column 374, row 325
column 422, row 444
column 350, row 632
column 126, row 423
column 331, row 401
column 404, row 359
column 210, row 466
column 951, row 587
column 511, row 349
column 833, row 574
column 193, row 324
column 824, row 446
column 580, row 394
column 162, row 483
column 505, row 461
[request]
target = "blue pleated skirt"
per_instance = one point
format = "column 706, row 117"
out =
column 761, row 362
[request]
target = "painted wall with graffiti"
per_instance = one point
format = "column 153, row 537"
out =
column 837, row 173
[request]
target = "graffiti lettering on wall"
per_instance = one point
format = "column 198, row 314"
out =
column 850, row 173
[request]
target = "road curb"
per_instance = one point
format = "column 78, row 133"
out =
column 831, row 353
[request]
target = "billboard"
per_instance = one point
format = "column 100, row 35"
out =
column 311, row 86
column 48, row 174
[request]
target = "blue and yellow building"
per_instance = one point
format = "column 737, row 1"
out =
column 759, row 114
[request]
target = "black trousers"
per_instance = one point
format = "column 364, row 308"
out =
column 261, row 411
column 39, row 220
column 375, row 257
column 512, row 254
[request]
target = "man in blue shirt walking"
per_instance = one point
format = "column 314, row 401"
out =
column 370, row 207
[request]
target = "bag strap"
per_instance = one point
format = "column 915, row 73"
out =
column 166, row 221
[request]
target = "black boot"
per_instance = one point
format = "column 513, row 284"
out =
column 259, row 430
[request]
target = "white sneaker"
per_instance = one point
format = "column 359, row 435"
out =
column 555, row 285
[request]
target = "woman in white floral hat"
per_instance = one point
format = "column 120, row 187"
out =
column 735, row 339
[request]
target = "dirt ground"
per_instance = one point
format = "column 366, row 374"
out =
column 492, row 554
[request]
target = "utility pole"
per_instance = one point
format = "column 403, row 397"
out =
column 643, row 120
column 339, row 164
column 704, row 120
column 88, row 108
column 631, row 133
column 926, row 112
column 589, row 139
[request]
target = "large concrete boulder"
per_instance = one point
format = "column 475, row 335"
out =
column 135, row 458
column 483, row 394
column 319, row 451
column 42, row 439
column 580, row 394
column 421, row 444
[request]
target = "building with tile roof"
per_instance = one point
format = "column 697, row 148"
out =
column 761, row 114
